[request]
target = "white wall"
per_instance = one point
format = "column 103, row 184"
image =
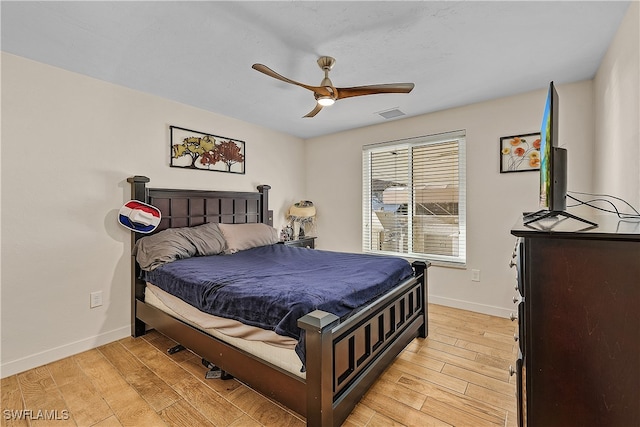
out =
column 617, row 95
column 494, row 200
column 69, row 143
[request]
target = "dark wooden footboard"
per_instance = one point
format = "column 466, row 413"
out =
column 344, row 359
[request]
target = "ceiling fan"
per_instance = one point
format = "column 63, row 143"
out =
column 326, row 94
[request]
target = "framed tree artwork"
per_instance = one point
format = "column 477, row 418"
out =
column 191, row 149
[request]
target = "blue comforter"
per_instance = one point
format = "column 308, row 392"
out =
column 272, row 286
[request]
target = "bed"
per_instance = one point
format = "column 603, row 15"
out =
column 340, row 356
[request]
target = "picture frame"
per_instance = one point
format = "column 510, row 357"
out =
column 520, row 153
column 190, row 149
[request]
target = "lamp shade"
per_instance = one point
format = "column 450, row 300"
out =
column 302, row 209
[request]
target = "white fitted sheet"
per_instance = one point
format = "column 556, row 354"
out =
column 267, row 345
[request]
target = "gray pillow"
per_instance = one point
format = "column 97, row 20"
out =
column 207, row 239
column 246, row 236
column 178, row 243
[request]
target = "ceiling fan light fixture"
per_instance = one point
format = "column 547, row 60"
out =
column 325, row 101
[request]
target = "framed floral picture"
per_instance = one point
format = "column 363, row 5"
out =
column 191, row 149
column 520, row 153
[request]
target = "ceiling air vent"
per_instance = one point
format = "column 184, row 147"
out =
column 390, row 114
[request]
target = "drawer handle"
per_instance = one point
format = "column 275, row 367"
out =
column 515, row 338
column 512, row 317
column 512, row 264
column 512, row 371
column 516, row 300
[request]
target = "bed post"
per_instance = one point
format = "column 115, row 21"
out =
column 138, row 192
column 265, row 214
column 319, row 365
column 420, row 268
column 138, row 187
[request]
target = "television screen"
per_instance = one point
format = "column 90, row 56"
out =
column 548, row 140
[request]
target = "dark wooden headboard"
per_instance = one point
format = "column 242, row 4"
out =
column 188, row 208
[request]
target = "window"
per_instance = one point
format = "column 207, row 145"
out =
column 414, row 198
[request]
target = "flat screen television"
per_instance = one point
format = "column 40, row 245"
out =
column 553, row 166
column 553, row 160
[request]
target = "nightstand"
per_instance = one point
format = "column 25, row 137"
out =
column 303, row 242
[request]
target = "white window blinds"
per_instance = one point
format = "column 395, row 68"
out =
column 414, row 198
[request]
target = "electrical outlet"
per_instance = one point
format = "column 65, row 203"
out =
column 96, row 299
column 475, row 275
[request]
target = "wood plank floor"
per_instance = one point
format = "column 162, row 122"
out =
column 458, row 376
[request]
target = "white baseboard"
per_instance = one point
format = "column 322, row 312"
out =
column 472, row 306
column 33, row 361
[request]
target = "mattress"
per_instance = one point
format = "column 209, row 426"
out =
column 267, row 345
column 272, row 286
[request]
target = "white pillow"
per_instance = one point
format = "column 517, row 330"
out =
column 240, row 237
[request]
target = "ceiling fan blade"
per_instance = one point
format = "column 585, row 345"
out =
column 314, row 111
column 269, row 72
column 347, row 92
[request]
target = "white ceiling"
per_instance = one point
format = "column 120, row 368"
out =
column 200, row 52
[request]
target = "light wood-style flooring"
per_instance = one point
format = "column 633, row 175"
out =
column 458, row 376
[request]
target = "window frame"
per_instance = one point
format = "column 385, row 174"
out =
column 409, row 144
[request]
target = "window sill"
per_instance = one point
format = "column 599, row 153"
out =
column 434, row 262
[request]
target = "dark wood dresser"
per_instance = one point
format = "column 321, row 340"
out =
column 578, row 309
